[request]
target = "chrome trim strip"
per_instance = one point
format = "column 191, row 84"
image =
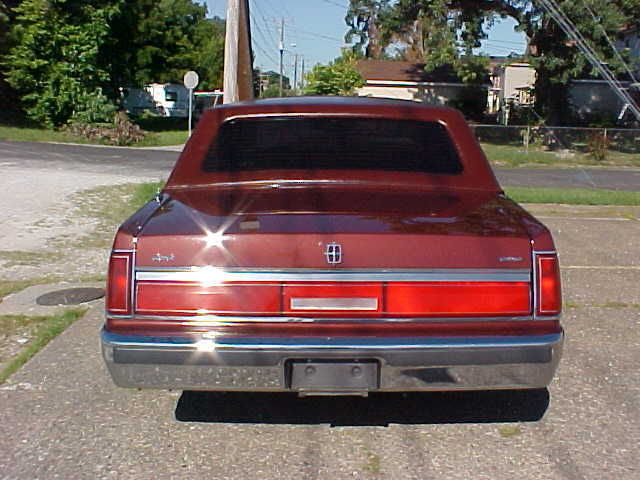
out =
column 304, row 114
column 334, row 303
column 350, row 343
column 207, row 274
column 214, row 320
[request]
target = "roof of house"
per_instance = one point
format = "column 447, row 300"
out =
column 397, row 71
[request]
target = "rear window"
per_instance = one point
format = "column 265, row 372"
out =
column 326, row 143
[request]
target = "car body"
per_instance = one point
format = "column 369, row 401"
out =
column 328, row 245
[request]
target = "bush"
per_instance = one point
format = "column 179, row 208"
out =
column 121, row 132
column 598, row 146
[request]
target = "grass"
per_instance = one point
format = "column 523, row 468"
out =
column 37, row 134
column 509, row 431
column 573, row 196
column 160, row 132
column 517, row 156
column 7, row 287
column 124, row 200
column 13, row 258
column 44, row 329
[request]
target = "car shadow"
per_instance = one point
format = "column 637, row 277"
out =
column 380, row 409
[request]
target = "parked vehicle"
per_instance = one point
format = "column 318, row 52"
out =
column 332, row 246
column 166, row 99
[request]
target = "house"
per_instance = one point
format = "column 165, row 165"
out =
column 511, row 84
column 410, row 81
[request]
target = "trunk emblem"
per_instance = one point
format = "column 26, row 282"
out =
column 163, row 258
column 333, row 253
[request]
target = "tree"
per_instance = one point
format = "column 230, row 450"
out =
column 339, row 77
column 9, row 101
column 447, row 31
column 158, row 41
column 209, row 52
column 362, row 20
column 55, row 64
column 70, row 58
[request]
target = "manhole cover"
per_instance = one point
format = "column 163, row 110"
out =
column 70, row 296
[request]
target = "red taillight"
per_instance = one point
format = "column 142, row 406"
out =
column 195, row 298
column 119, row 283
column 549, row 294
column 458, row 299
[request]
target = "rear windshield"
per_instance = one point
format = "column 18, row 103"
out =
column 330, row 143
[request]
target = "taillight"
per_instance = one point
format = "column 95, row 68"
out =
column 119, row 283
column 162, row 298
column 459, row 299
column 549, row 293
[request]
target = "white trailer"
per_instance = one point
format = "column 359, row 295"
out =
column 167, row 99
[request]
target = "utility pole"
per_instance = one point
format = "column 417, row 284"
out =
column 281, row 48
column 302, row 75
column 238, row 58
column 295, row 73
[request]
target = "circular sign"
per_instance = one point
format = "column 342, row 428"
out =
column 191, row 79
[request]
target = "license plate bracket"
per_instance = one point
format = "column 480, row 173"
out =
column 334, row 376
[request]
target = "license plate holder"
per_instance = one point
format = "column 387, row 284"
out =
column 334, row 376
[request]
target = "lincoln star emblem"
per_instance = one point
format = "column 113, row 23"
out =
column 163, row 258
column 333, row 253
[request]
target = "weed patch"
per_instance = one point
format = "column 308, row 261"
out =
column 41, row 331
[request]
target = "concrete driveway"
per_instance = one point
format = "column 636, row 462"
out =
column 61, row 416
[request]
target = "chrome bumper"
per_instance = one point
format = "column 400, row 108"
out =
column 262, row 364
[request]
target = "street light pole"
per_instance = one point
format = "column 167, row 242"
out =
column 281, row 48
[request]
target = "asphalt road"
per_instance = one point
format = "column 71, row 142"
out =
column 61, row 416
column 158, row 163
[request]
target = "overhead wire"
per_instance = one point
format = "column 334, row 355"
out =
column 612, row 45
column 564, row 22
column 336, row 4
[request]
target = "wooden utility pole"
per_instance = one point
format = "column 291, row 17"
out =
column 238, row 58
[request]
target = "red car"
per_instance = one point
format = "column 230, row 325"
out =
column 332, row 246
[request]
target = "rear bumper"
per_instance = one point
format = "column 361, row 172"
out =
column 262, row 364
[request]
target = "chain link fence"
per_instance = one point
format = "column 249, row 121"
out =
column 561, row 138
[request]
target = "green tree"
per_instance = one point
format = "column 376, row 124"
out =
column 71, row 57
column 362, row 20
column 446, row 32
column 158, row 41
column 9, row 100
column 339, row 77
column 209, row 53
column 55, row 63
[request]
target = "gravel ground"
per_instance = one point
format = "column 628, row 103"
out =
column 40, row 231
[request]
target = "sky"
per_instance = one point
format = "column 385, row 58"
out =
column 315, row 29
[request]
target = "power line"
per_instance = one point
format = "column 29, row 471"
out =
column 613, row 47
column 336, row 4
column 265, row 22
column 565, row 23
column 262, row 35
column 317, row 35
